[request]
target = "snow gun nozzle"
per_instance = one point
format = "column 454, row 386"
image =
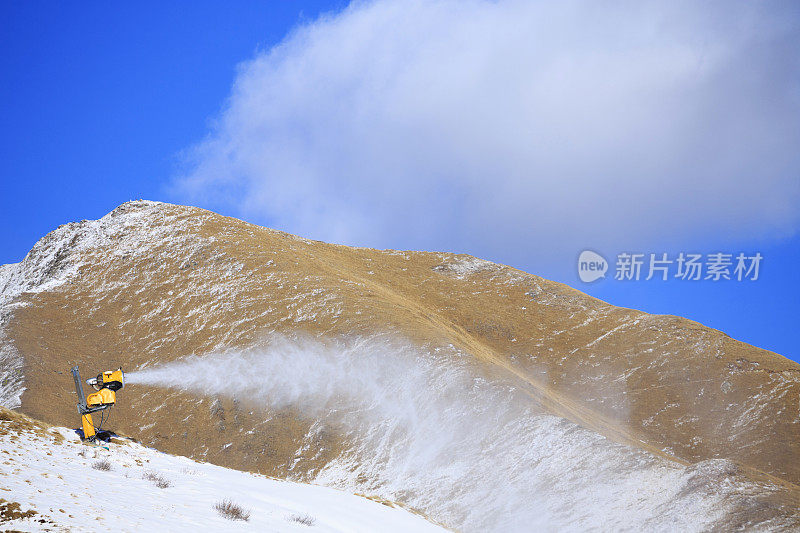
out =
column 110, row 379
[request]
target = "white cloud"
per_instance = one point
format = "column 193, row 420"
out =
column 516, row 130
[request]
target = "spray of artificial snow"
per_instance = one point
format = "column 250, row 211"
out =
column 431, row 431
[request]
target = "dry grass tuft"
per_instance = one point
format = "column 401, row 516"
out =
column 157, row 479
column 103, row 464
column 305, row 519
column 231, row 511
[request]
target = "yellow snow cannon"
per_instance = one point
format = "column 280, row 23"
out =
column 106, row 384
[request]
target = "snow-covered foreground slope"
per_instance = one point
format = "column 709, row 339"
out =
column 49, row 471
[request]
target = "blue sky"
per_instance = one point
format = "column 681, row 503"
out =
column 516, row 131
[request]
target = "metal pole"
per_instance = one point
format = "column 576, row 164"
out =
column 76, row 375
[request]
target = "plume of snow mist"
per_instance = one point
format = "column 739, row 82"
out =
column 348, row 377
column 430, row 430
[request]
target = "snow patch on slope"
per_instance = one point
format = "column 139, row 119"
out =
column 11, row 363
column 464, row 266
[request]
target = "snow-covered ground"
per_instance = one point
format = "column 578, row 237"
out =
column 61, row 482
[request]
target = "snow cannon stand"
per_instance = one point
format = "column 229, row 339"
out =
column 106, row 384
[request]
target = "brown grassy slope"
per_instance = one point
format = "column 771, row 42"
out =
column 15, row 424
column 199, row 281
